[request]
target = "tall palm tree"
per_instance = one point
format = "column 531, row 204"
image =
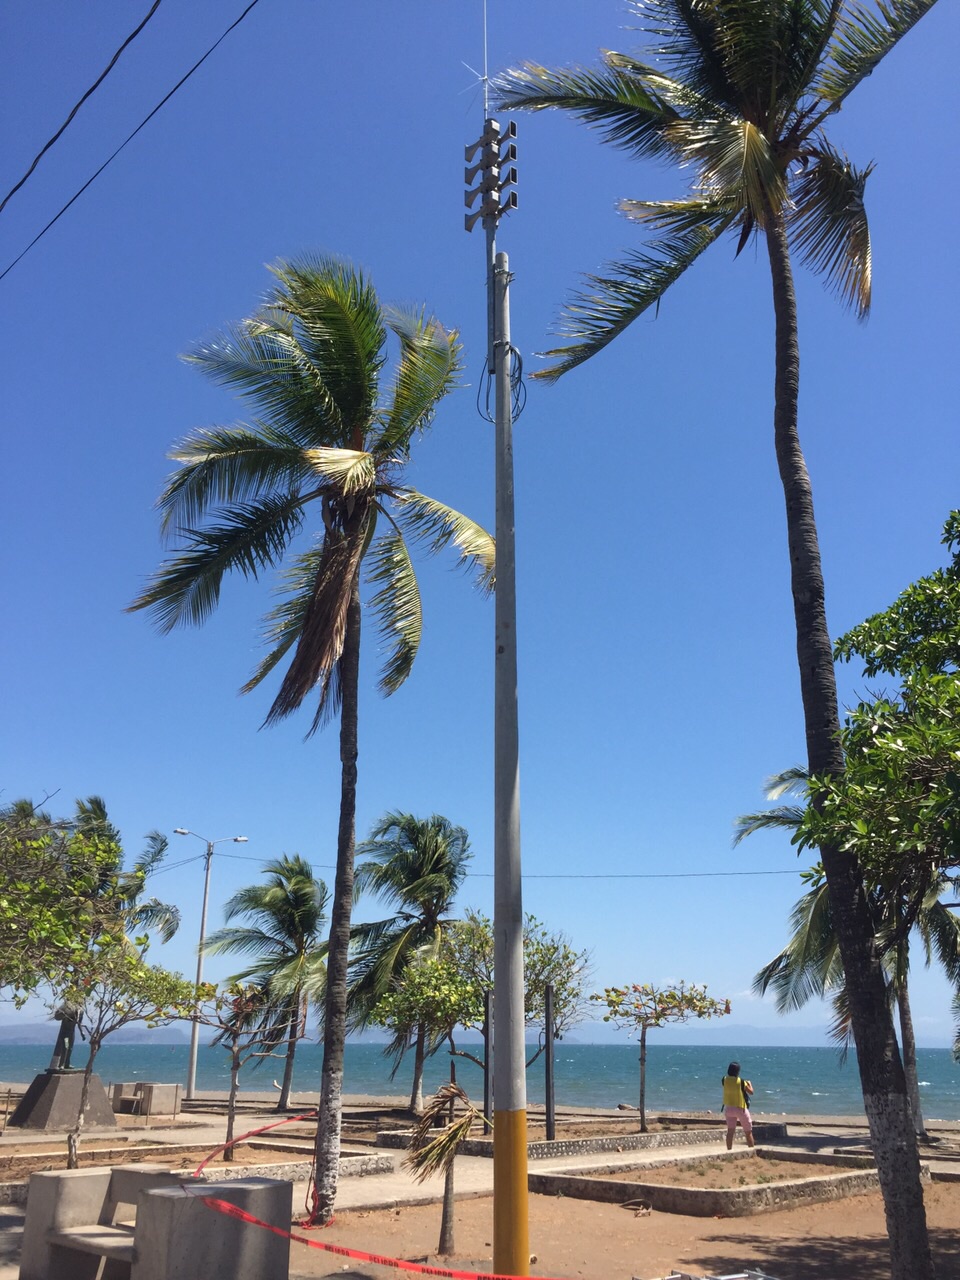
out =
column 738, row 92
column 311, row 361
column 286, row 915
column 417, row 865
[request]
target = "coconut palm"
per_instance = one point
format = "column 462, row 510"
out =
column 810, row 964
column 738, row 92
column 284, row 937
column 328, row 439
column 417, row 865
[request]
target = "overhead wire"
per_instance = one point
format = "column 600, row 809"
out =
column 163, row 101
column 93, row 88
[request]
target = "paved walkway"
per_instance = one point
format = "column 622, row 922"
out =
column 474, row 1174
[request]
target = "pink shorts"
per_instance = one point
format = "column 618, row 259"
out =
column 739, row 1113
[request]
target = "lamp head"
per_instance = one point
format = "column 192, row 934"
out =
column 239, row 839
column 180, row 831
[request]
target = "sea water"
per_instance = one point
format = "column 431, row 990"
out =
column 679, row 1078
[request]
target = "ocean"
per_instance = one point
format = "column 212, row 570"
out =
column 679, row 1078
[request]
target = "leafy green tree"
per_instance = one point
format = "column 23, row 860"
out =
column 548, row 958
column 433, row 997
column 417, row 865
column 109, row 987
column 642, row 1007
column 64, row 887
column 738, row 92
column 327, row 439
column 284, row 937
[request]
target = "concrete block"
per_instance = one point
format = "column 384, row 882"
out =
column 56, row 1202
column 52, row 1101
column 179, row 1238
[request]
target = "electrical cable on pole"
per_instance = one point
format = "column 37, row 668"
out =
column 489, row 165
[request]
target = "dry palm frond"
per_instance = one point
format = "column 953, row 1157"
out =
column 433, row 1150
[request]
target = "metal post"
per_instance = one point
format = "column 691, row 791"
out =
column 488, row 1058
column 511, row 1252
column 195, row 1027
column 548, row 1052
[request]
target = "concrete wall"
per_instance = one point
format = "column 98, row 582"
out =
column 590, row 1146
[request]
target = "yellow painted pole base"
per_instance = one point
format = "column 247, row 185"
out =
column 511, row 1235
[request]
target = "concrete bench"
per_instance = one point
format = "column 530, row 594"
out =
column 140, row 1098
column 147, row 1222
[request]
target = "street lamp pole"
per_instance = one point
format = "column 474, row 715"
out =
column 195, row 1026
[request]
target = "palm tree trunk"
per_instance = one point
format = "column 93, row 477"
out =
column 293, row 1035
column 335, row 1001
column 419, row 1050
column 881, row 1071
column 908, row 1042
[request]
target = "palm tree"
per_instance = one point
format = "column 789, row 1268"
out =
column 91, row 819
column 286, row 917
column 311, row 361
column 738, row 92
column 417, row 865
column 810, row 964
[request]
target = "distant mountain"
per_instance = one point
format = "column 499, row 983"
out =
column 46, row 1033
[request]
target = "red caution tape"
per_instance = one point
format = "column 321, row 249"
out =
column 253, row 1133
column 234, row 1211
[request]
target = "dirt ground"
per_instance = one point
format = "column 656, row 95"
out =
column 724, row 1174
column 584, row 1240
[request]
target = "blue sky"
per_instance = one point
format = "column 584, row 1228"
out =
column 657, row 666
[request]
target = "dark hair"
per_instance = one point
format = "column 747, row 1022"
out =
column 733, row 1069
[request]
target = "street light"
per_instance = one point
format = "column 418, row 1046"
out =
column 195, row 1028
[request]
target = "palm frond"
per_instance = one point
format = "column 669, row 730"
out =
column 396, row 607
column 618, row 101
column 427, row 371
column 154, row 914
column 153, row 854
column 249, row 538
column 284, row 623
column 829, row 225
column 783, row 817
column 432, row 1151
column 339, row 324
column 862, row 39
column 349, row 471
column 435, row 525
column 631, row 287
column 320, row 641
column 734, row 163
column 259, row 358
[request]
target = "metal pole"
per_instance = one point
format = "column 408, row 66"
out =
column 488, row 1059
column 195, row 1028
column 511, row 1251
column 549, row 1086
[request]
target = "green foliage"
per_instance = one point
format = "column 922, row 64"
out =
column 327, row 436
column 111, row 986
column 547, row 958
column 737, row 95
column 432, row 993
column 643, row 1006
column 921, row 629
column 64, row 889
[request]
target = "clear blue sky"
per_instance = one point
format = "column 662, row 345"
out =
column 658, row 674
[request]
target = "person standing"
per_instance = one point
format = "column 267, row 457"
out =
column 736, row 1104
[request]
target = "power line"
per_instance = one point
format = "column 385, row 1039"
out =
column 129, row 138
column 93, row 88
column 640, row 875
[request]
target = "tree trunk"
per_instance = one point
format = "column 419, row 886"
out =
column 232, row 1102
column 419, row 1050
column 335, row 1001
column 909, row 1043
column 293, row 1035
column 446, row 1245
column 643, row 1079
column 73, row 1137
column 881, row 1072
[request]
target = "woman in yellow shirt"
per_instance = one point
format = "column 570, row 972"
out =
column 736, row 1104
